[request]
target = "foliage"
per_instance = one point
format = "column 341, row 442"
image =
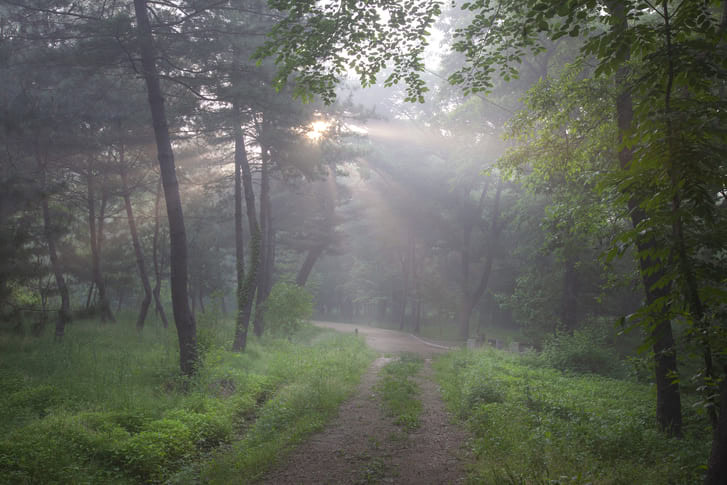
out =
column 106, row 405
column 538, row 425
column 318, row 43
column 584, row 351
column 322, row 376
column 399, row 392
column 287, row 308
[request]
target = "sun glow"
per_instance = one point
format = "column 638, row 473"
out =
column 318, row 129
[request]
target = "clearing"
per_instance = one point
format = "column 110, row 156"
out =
column 363, row 445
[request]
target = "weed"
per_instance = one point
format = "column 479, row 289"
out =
column 373, row 472
column 540, row 425
column 399, row 392
column 107, row 405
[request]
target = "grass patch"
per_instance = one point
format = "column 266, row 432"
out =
column 539, row 425
column 107, row 405
column 399, row 392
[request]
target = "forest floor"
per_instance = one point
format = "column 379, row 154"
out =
column 364, row 445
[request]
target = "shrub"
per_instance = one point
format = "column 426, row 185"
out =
column 149, row 453
column 36, row 400
column 585, row 351
column 287, row 307
column 482, row 391
column 554, row 427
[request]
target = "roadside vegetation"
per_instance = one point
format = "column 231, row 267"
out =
column 108, row 405
column 399, row 392
column 532, row 423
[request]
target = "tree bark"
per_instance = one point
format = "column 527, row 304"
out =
column 183, row 318
column 138, row 253
column 469, row 300
column 717, row 468
column 246, row 284
column 270, row 256
column 668, row 398
column 417, row 301
column 569, row 304
column 406, row 264
column 310, row 260
column 156, row 291
column 263, row 274
column 96, row 235
column 89, row 294
column 329, row 224
column 64, row 313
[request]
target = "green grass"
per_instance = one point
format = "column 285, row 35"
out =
column 107, row 405
column 399, row 392
column 539, row 425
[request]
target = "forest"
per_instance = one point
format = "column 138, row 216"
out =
column 229, row 226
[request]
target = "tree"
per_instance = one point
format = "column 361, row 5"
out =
column 183, row 318
column 676, row 49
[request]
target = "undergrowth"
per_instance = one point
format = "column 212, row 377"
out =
column 107, row 404
column 399, row 392
column 539, row 425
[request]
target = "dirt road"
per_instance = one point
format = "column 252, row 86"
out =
column 389, row 341
column 363, row 446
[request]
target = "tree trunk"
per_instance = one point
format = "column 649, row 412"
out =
column 246, row 284
column 717, row 468
column 183, row 318
column 406, row 270
column 684, row 265
column 569, row 304
column 314, row 253
column 465, row 314
column 265, row 246
column 310, row 260
column 417, row 302
column 469, row 301
column 64, row 313
column 96, row 233
column 200, row 296
column 717, row 471
column 270, row 256
column 668, row 398
column 156, row 291
column 141, row 267
column 381, row 308
column 417, row 316
column 89, row 294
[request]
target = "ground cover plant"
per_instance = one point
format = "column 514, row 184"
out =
column 399, row 392
column 536, row 424
column 107, row 405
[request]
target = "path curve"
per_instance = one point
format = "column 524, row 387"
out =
column 389, row 341
column 363, row 446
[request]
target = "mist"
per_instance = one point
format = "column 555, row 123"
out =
column 362, row 242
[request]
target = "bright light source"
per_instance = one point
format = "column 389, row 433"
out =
column 318, row 129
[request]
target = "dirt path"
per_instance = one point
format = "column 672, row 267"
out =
column 362, row 445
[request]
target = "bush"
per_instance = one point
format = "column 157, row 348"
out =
column 287, row 307
column 539, row 425
column 585, row 351
column 149, row 453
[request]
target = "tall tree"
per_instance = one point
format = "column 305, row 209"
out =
column 133, row 231
column 64, row 312
column 183, row 317
column 246, row 283
column 96, row 232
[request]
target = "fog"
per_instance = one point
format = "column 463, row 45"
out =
column 206, row 179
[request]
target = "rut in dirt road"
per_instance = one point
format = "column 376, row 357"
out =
column 362, row 445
